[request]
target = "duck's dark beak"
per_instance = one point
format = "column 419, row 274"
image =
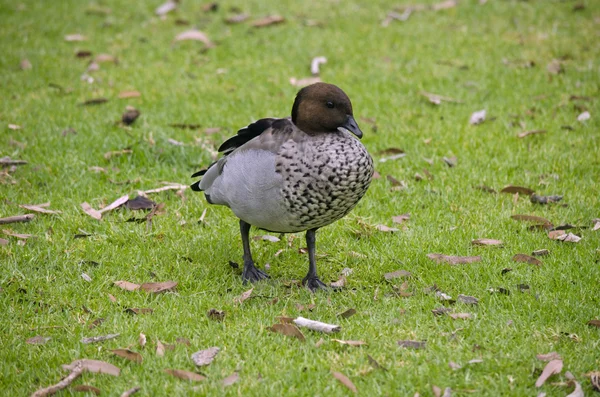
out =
column 352, row 126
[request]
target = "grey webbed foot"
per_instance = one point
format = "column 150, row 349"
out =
column 314, row 284
column 252, row 273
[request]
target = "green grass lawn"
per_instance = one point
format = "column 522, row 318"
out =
column 491, row 56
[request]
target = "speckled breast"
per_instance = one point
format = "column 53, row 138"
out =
column 324, row 178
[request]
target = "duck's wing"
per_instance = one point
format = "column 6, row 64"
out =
column 271, row 131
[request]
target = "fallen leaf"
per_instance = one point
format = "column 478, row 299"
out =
column 185, row 375
column 231, row 379
column 584, row 116
column 165, row 8
column 237, row 18
column 443, row 296
column 157, row 288
column 90, row 211
column 548, row 356
column 384, row 228
column 459, row 316
column 128, row 354
column 350, row 342
column 345, row 381
column 450, row 162
column 412, row 344
column 444, row 5
column 400, row 218
column 594, row 323
column 531, row 218
column 160, row 348
column 531, row 132
column 527, row 259
column 38, row 340
column 243, row 296
column 195, row 35
column 304, row 82
column 94, row 366
column 217, row 315
column 454, row 366
column 287, row 330
column 374, row 363
column 126, row 285
column 437, row 392
column 537, row 199
column 595, row 379
column 561, row 235
column 75, row 37
column 102, row 338
column 441, row 311
column 453, row 260
column 438, row 99
column 39, row 208
column 115, row 204
column 86, row 277
column 397, row 274
column 130, row 115
column 129, row 94
column 477, row 117
column 541, row 252
column 87, row 389
column 267, row 21
column 340, row 283
column 266, row 237
column 467, row 300
column 94, row 101
column 205, row 357
column 486, row 241
column 140, row 203
column 142, row 340
column 347, row 313
column 17, row 235
column 136, row 310
column 555, row 67
column 578, row 392
column 517, row 189
column 117, row 153
column 553, row 367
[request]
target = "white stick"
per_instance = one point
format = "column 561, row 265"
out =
column 317, row 325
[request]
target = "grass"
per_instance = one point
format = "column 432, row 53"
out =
column 457, row 52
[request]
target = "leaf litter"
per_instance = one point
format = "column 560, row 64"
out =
column 287, row 330
column 344, row 380
column 527, row 259
column 453, row 260
column 185, row 375
column 553, row 367
column 128, row 354
column 94, row 366
column 206, row 356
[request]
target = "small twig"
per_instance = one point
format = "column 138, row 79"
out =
column 102, row 338
column 131, row 392
column 17, row 218
column 7, row 161
column 50, row 390
column 317, row 325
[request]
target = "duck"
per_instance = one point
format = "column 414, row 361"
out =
column 292, row 174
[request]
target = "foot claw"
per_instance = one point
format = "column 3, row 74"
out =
column 313, row 283
column 252, row 274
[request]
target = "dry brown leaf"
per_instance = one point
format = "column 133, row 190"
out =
column 126, row 285
column 350, row 342
column 195, row 35
column 459, row 316
column 157, row 288
column 39, row 208
column 548, row 356
column 237, row 18
column 287, row 330
column 553, row 367
column 160, row 348
column 511, row 189
column 115, row 204
column 384, row 228
column 129, row 94
column 268, row 21
column 531, row 132
column 400, row 218
column 128, row 354
column 87, row 389
column 537, row 199
column 185, row 375
column 90, row 211
column 531, row 218
column 38, row 340
column 142, row 340
column 345, row 381
column 467, row 300
column 140, row 203
column 206, row 356
column 541, row 252
column 130, row 115
column 594, row 323
column 348, row 313
column 94, row 366
column 412, row 344
column 441, row 311
column 340, row 283
column 244, row 296
column 555, row 67
column 9, row 232
column 486, row 241
column 561, row 235
column 231, row 379
column 453, row 260
column 217, row 315
column 527, row 259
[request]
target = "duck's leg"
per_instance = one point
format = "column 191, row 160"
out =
column 312, row 280
column 250, row 272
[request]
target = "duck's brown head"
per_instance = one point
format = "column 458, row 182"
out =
column 323, row 107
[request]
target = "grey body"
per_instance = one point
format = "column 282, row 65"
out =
column 285, row 180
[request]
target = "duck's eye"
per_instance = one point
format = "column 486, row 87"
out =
column 330, row 105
